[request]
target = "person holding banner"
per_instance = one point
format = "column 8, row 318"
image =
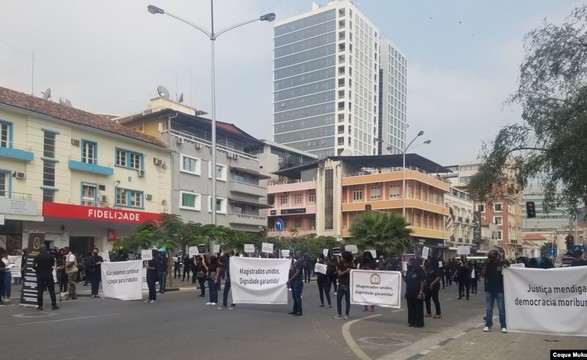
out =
column 344, row 277
column 493, row 275
column 296, row 281
column 95, row 272
column 415, row 278
column 368, row 263
column 152, row 267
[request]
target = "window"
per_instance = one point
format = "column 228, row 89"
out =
column 5, row 134
column 375, row 192
column 220, row 205
column 357, row 194
column 298, row 199
column 499, row 235
column 190, row 201
column 49, row 144
column 394, row 192
column 481, row 207
column 129, row 159
column 298, row 223
column 129, row 198
column 190, row 165
column 4, row 178
column 89, row 194
column 221, row 172
column 312, row 196
column 283, row 199
column 498, row 220
column 497, row 207
column 89, row 154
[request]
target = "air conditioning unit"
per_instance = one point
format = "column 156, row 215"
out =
column 180, row 140
column 141, row 173
column 104, row 198
column 157, row 162
column 149, row 197
column 75, row 142
column 198, row 146
column 233, row 155
column 19, row 175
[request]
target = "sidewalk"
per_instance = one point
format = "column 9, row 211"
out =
column 476, row 344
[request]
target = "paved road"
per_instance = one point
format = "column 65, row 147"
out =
column 180, row 325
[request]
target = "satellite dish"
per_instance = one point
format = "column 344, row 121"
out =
column 180, row 99
column 163, row 92
column 47, row 94
column 65, row 102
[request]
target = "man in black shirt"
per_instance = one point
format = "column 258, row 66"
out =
column 43, row 265
column 296, row 283
column 493, row 275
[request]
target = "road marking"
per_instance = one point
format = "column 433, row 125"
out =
column 346, row 334
column 458, row 335
column 397, row 310
column 70, row 319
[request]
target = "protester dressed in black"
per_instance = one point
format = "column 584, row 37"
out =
column 414, row 279
column 95, row 272
column 152, row 267
column 43, row 265
column 344, row 275
column 432, row 288
column 323, row 284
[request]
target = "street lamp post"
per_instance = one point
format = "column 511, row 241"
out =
column 212, row 35
column 404, row 170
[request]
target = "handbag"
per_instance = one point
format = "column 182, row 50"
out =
column 70, row 270
column 200, row 275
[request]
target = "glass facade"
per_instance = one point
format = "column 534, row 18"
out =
column 326, row 82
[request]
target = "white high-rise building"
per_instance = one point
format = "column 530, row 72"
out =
column 326, row 82
column 393, row 99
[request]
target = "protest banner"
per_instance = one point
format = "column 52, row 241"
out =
column 15, row 266
column 373, row 287
column 259, row 280
column 122, row 280
column 546, row 301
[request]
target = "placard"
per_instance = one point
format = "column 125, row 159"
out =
column 249, row 248
column 352, row 248
column 192, row 251
column 425, row 251
column 463, row 250
column 146, row 254
column 267, row 247
column 215, row 249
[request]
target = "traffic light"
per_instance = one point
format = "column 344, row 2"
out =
column 530, row 209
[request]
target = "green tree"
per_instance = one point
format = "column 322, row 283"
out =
column 549, row 146
column 388, row 233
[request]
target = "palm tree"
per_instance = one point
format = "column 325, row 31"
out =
column 388, row 233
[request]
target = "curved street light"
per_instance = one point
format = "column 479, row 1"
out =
column 404, row 193
column 212, row 35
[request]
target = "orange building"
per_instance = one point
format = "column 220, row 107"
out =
column 333, row 191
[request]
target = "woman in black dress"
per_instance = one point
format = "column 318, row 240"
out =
column 414, row 279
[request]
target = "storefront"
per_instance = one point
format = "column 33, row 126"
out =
column 84, row 227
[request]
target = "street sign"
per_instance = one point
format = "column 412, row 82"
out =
column 279, row 225
column 552, row 251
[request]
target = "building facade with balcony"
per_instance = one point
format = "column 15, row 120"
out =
column 76, row 178
column 346, row 186
column 460, row 223
column 240, row 193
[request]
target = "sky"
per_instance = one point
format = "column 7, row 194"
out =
column 109, row 56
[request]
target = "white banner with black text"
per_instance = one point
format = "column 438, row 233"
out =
column 546, row 301
column 122, row 280
column 373, row 287
column 259, row 280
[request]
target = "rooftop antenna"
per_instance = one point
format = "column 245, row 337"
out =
column 163, row 92
column 65, row 102
column 47, row 94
